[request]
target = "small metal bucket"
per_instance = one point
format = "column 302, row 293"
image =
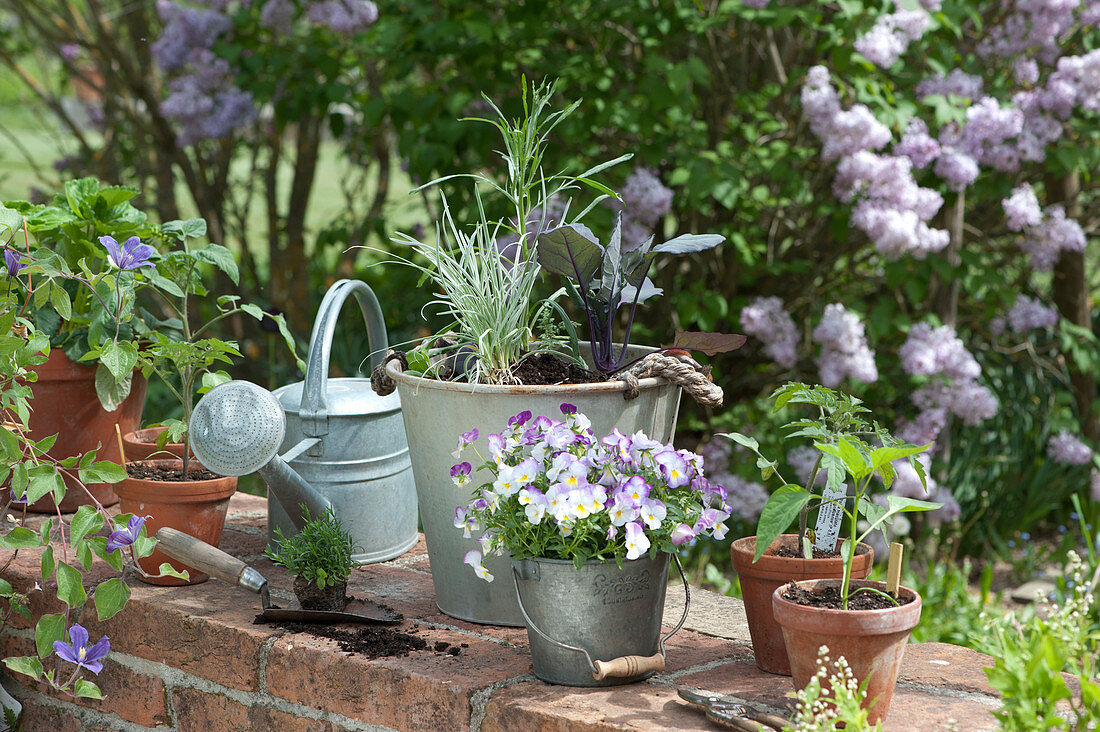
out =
column 576, row 617
column 361, row 463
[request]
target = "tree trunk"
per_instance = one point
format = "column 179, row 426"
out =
column 1071, row 296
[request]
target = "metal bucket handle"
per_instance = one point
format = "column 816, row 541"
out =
column 623, row 666
column 314, row 407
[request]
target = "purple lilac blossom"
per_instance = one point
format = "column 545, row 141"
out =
column 950, row 512
column 755, row 3
column 78, row 652
column 278, row 16
column 1056, row 233
column 126, row 535
column 1025, row 70
column 70, row 51
column 891, row 36
column 1022, row 208
column 131, row 255
column 966, row 399
column 343, row 16
column 924, row 428
column 186, row 29
column 716, row 453
column 745, row 498
column 957, row 83
column 844, row 349
column 1064, row 447
column 907, row 483
column 205, row 103
column 765, row 318
column 989, row 134
column 929, row 351
column 956, row 168
column 917, row 145
column 644, row 198
column 841, row 132
column 1029, row 313
column 802, row 460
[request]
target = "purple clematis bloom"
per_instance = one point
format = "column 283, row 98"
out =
column 78, row 651
column 11, row 258
column 128, row 535
column 131, row 255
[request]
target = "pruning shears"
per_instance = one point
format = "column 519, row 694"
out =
column 732, row 715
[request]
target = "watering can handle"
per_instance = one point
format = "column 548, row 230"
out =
column 314, row 406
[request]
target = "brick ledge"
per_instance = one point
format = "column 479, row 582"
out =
column 191, row 659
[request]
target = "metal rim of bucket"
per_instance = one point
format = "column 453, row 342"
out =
column 577, row 649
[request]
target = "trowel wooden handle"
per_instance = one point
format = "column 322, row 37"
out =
column 200, row 555
column 629, row 666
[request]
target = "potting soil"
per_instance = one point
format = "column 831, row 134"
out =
column 829, row 598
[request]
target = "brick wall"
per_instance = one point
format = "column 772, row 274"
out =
column 191, row 659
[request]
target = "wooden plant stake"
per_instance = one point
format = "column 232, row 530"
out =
column 121, row 452
column 893, row 569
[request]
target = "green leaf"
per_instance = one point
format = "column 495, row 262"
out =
column 220, row 257
column 43, row 480
column 87, row 520
column 187, row 229
column 110, row 597
column 21, row 538
column 29, row 665
column 254, row 310
column 102, row 472
column 111, row 391
column 50, row 628
column 169, row 571
column 84, row 555
column 781, row 509
column 59, row 298
column 99, row 546
column 741, row 439
column 70, row 588
column 47, row 564
column 886, row 455
column 87, row 689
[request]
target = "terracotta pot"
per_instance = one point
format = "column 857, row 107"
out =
column 759, row 580
column 872, row 641
column 195, row 507
column 142, row 445
column 65, row 404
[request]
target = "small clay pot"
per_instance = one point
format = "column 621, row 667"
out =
column 759, row 581
column 332, row 597
column 871, row 641
column 195, row 507
column 142, row 445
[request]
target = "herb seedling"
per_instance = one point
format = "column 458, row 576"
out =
column 320, row 553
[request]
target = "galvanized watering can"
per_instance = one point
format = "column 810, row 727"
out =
column 343, row 446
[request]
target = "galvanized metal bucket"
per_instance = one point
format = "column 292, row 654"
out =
column 599, row 625
column 361, row 463
column 437, row 412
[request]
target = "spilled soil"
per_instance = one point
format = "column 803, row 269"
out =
column 829, row 598
column 373, row 641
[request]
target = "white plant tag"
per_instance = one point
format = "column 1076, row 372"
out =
column 829, row 517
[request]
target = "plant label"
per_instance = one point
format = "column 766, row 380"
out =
column 829, row 517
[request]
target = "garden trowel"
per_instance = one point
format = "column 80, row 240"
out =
column 227, row 568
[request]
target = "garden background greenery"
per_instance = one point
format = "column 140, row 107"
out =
column 907, row 194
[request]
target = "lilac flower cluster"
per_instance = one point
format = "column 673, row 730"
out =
column 1054, row 234
column 891, row 35
column 907, row 484
column 957, row 83
column 889, row 205
column 343, row 16
column 939, row 353
column 1030, row 26
column 617, row 496
column 1029, row 313
column 1022, row 208
column 205, row 103
column 1064, row 447
column 765, row 318
column 186, row 29
column 844, row 349
column 644, row 201
column 755, row 3
column 746, row 498
column 802, row 460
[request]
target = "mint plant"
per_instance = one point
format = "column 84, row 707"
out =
column 321, row 553
column 847, row 448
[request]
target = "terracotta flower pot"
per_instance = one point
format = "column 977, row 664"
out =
column 759, row 581
column 142, row 445
column 871, row 641
column 195, row 507
column 65, row 404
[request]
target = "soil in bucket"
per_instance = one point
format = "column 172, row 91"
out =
column 546, row 369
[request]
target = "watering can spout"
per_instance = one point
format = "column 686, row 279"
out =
column 293, row 491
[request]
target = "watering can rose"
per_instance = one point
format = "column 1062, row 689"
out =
column 558, row 492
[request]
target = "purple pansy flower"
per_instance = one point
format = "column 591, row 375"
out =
column 127, row 535
column 682, row 534
column 520, row 419
column 567, row 408
column 463, row 440
column 11, row 258
column 131, row 255
column 460, row 474
column 674, row 467
column 78, row 651
column 637, row 543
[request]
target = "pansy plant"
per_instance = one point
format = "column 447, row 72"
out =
column 558, row 491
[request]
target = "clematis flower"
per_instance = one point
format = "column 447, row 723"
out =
column 131, row 255
column 637, row 543
column 460, row 474
column 126, row 536
column 463, row 440
column 78, row 651
column 11, row 258
column 473, row 558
